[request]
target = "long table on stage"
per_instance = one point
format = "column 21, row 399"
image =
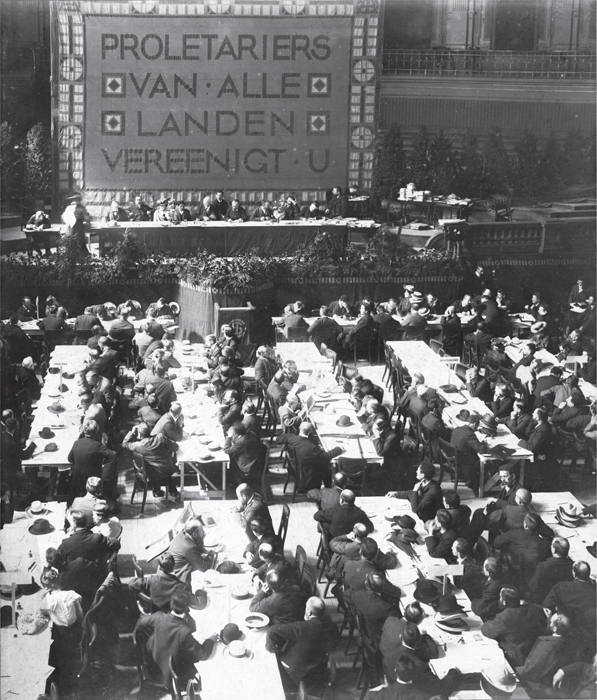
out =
column 223, row 238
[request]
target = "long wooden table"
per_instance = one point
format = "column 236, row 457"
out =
column 24, row 658
column 224, row 238
column 418, row 357
column 224, row 677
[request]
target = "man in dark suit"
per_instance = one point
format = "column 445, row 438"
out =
column 478, row 386
column 549, row 653
column 355, row 570
column 472, row 580
column 340, row 519
column 387, row 326
column 263, row 212
column 90, row 458
column 26, row 312
column 372, row 606
column 480, row 337
column 282, row 601
column 313, row 462
column 341, row 307
column 248, row 454
column 171, row 423
column 161, row 586
column 83, row 543
column 517, row 627
column 442, row 537
column 540, row 441
column 121, row 329
column 12, row 453
column 325, row 330
column 519, row 420
column 551, row 571
column 574, row 598
column 86, row 320
column 171, row 635
column 265, row 366
column 362, row 331
column 338, row 204
column 502, row 402
column 21, row 345
column 468, row 447
column 219, row 204
column 487, row 605
column 156, row 451
column 250, row 505
column 328, row 497
column 426, row 498
column 188, row 551
column 525, row 546
column 163, row 386
column 311, row 211
column 262, row 533
column 291, row 320
column 303, row 646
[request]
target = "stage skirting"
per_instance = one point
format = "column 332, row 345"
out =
column 220, row 238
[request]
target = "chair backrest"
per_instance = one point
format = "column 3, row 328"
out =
column 297, row 335
column 176, row 690
column 54, row 695
column 140, row 470
column 356, row 472
column 481, row 550
column 436, row 345
column 283, row 527
column 448, row 453
column 460, row 370
column 138, row 570
column 308, row 582
column 194, row 688
column 300, row 559
column 265, row 488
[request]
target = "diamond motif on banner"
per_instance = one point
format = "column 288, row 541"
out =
column 113, row 85
column 367, row 6
column 318, row 123
column 218, row 7
column 319, row 84
column 363, row 71
column 143, row 8
column 362, row 137
column 113, row 123
column 70, row 137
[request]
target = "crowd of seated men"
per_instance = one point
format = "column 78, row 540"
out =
column 216, row 208
column 534, row 601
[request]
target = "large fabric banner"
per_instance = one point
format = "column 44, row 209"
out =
column 188, row 102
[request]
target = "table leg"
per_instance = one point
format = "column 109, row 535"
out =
column 521, row 475
column 181, row 480
column 481, row 478
column 223, row 480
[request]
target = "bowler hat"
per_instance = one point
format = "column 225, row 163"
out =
column 343, row 422
column 46, row 434
column 464, row 415
column 405, row 522
column 427, row 591
column 448, row 608
column 41, row 527
column 230, row 633
column 489, row 424
column 198, row 601
column 56, row 407
column 453, row 625
column 592, row 549
column 51, row 447
column 498, row 682
column 228, row 567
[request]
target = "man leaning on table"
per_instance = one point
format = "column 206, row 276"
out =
column 188, row 551
column 426, row 497
column 280, row 599
column 250, row 505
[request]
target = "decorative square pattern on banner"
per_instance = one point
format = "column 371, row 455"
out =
column 319, row 84
column 318, row 123
column 113, row 123
column 113, row 85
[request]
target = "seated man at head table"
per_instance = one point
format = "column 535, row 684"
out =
column 88, row 545
column 340, row 519
column 171, row 637
column 517, row 627
column 337, row 207
column 301, row 646
column 122, row 329
column 325, row 330
column 161, row 586
column 138, row 210
column 156, row 451
column 313, row 462
column 180, row 213
column 291, row 319
column 362, row 331
column 160, row 213
column 250, row 505
column 426, row 496
column 188, row 551
column 279, row 598
column 311, row 211
column 263, row 212
column 87, row 320
column 220, row 205
column 236, row 212
column 116, row 213
column 341, row 307
column 26, row 311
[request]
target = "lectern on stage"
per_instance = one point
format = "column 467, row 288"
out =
column 241, row 318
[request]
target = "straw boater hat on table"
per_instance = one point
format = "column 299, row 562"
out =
column 538, row 327
column 35, row 510
column 416, row 298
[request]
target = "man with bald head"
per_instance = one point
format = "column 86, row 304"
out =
column 551, row 571
column 328, row 497
column 156, row 451
column 171, row 423
column 271, row 558
column 575, row 598
column 313, row 462
column 90, row 457
column 525, row 546
column 340, row 519
column 250, row 504
column 279, row 598
column 511, row 517
column 302, row 647
column 188, row 551
column 370, row 603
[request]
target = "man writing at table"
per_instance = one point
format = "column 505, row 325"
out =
column 426, row 497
